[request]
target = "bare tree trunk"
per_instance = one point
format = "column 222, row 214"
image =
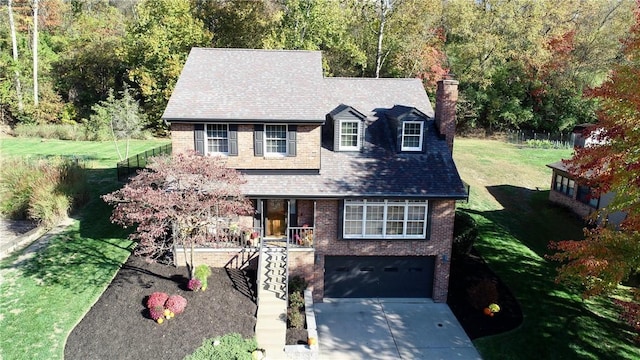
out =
column 14, row 44
column 35, row 53
column 384, row 8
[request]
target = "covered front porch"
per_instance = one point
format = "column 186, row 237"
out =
column 290, row 221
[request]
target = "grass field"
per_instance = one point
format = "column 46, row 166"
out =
column 509, row 191
column 45, row 294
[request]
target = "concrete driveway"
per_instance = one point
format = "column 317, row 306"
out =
column 390, row 329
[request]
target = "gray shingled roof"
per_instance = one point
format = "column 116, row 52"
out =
column 374, row 172
column 240, row 84
column 277, row 85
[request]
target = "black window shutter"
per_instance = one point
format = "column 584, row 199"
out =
column 199, row 138
column 399, row 133
column 233, row 140
column 292, row 140
column 258, row 140
column 340, row 220
column 429, row 210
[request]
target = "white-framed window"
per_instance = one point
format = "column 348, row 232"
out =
column 275, row 139
column 217, row 138
column 565, row 185
column 412, row 136
column 349, row 136
column 385, row 219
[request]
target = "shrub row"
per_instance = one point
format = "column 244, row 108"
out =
column 42, row 190
column 76, row 132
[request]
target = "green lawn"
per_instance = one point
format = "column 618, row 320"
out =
column 42, row 298
column 509, row 191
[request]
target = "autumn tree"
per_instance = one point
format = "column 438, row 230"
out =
column 155, row 48
column 237, row 23
column 177, row 198
column 120, row 116
column 318, row 25
column 609, row 254
column 86, row 67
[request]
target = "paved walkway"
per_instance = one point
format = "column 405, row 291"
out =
column 385, row 329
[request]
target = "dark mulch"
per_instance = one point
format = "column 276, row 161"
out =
column 467, row 271
column 297, row 336
column 119, row 327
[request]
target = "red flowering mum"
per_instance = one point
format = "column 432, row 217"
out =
column 156, row 312
column 157, row 299
column 176, row 304
column 194, row 284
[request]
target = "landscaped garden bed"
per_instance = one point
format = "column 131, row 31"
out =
column 119, row 325
column 296, row 320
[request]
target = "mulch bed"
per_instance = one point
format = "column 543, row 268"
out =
column 118, row 326
column 467, row 271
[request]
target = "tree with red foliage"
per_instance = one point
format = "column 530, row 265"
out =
column 608, row 254
column 177, row 198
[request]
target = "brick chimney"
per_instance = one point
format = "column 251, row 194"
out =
column 446, row 99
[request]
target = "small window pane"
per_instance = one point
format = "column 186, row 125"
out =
column 217, row 138
column 411, row 135
column 349, row 134
column 276, row 139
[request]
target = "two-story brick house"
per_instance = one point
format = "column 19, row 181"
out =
column 358, row 171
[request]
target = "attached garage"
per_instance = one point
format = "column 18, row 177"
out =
column 378, row 276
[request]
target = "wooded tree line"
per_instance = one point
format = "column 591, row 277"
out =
column 522, row 64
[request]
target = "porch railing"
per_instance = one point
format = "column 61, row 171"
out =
column 301, row 236
column 230, row 237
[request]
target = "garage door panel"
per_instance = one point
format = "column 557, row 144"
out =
column 378, row 276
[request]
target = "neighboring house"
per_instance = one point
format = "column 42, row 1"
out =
column 570, row 192
column 356, row 173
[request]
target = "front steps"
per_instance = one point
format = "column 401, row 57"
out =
column 271, row 322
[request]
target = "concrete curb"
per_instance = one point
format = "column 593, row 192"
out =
column 21, row 241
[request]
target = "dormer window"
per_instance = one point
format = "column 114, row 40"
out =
column 349, row 136
column 412, row 135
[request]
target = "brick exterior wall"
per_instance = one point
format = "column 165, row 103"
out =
column 326, row 244
column 307, row 144
column 301, row 263
column 305, row 212
column 571, row 202
column 581, row 209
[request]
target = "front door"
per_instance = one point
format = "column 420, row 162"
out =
column 276, row 214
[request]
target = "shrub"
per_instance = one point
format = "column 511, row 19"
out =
column 202, row 273
column 296, row 318
column 296, row 300
column 43, row 190
column 297, row 283
column 483, row 293
column 465, row 233
column 175, row 304
column 52, row 131
column 194, row 284
column 230, row 346
column 157, row 299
